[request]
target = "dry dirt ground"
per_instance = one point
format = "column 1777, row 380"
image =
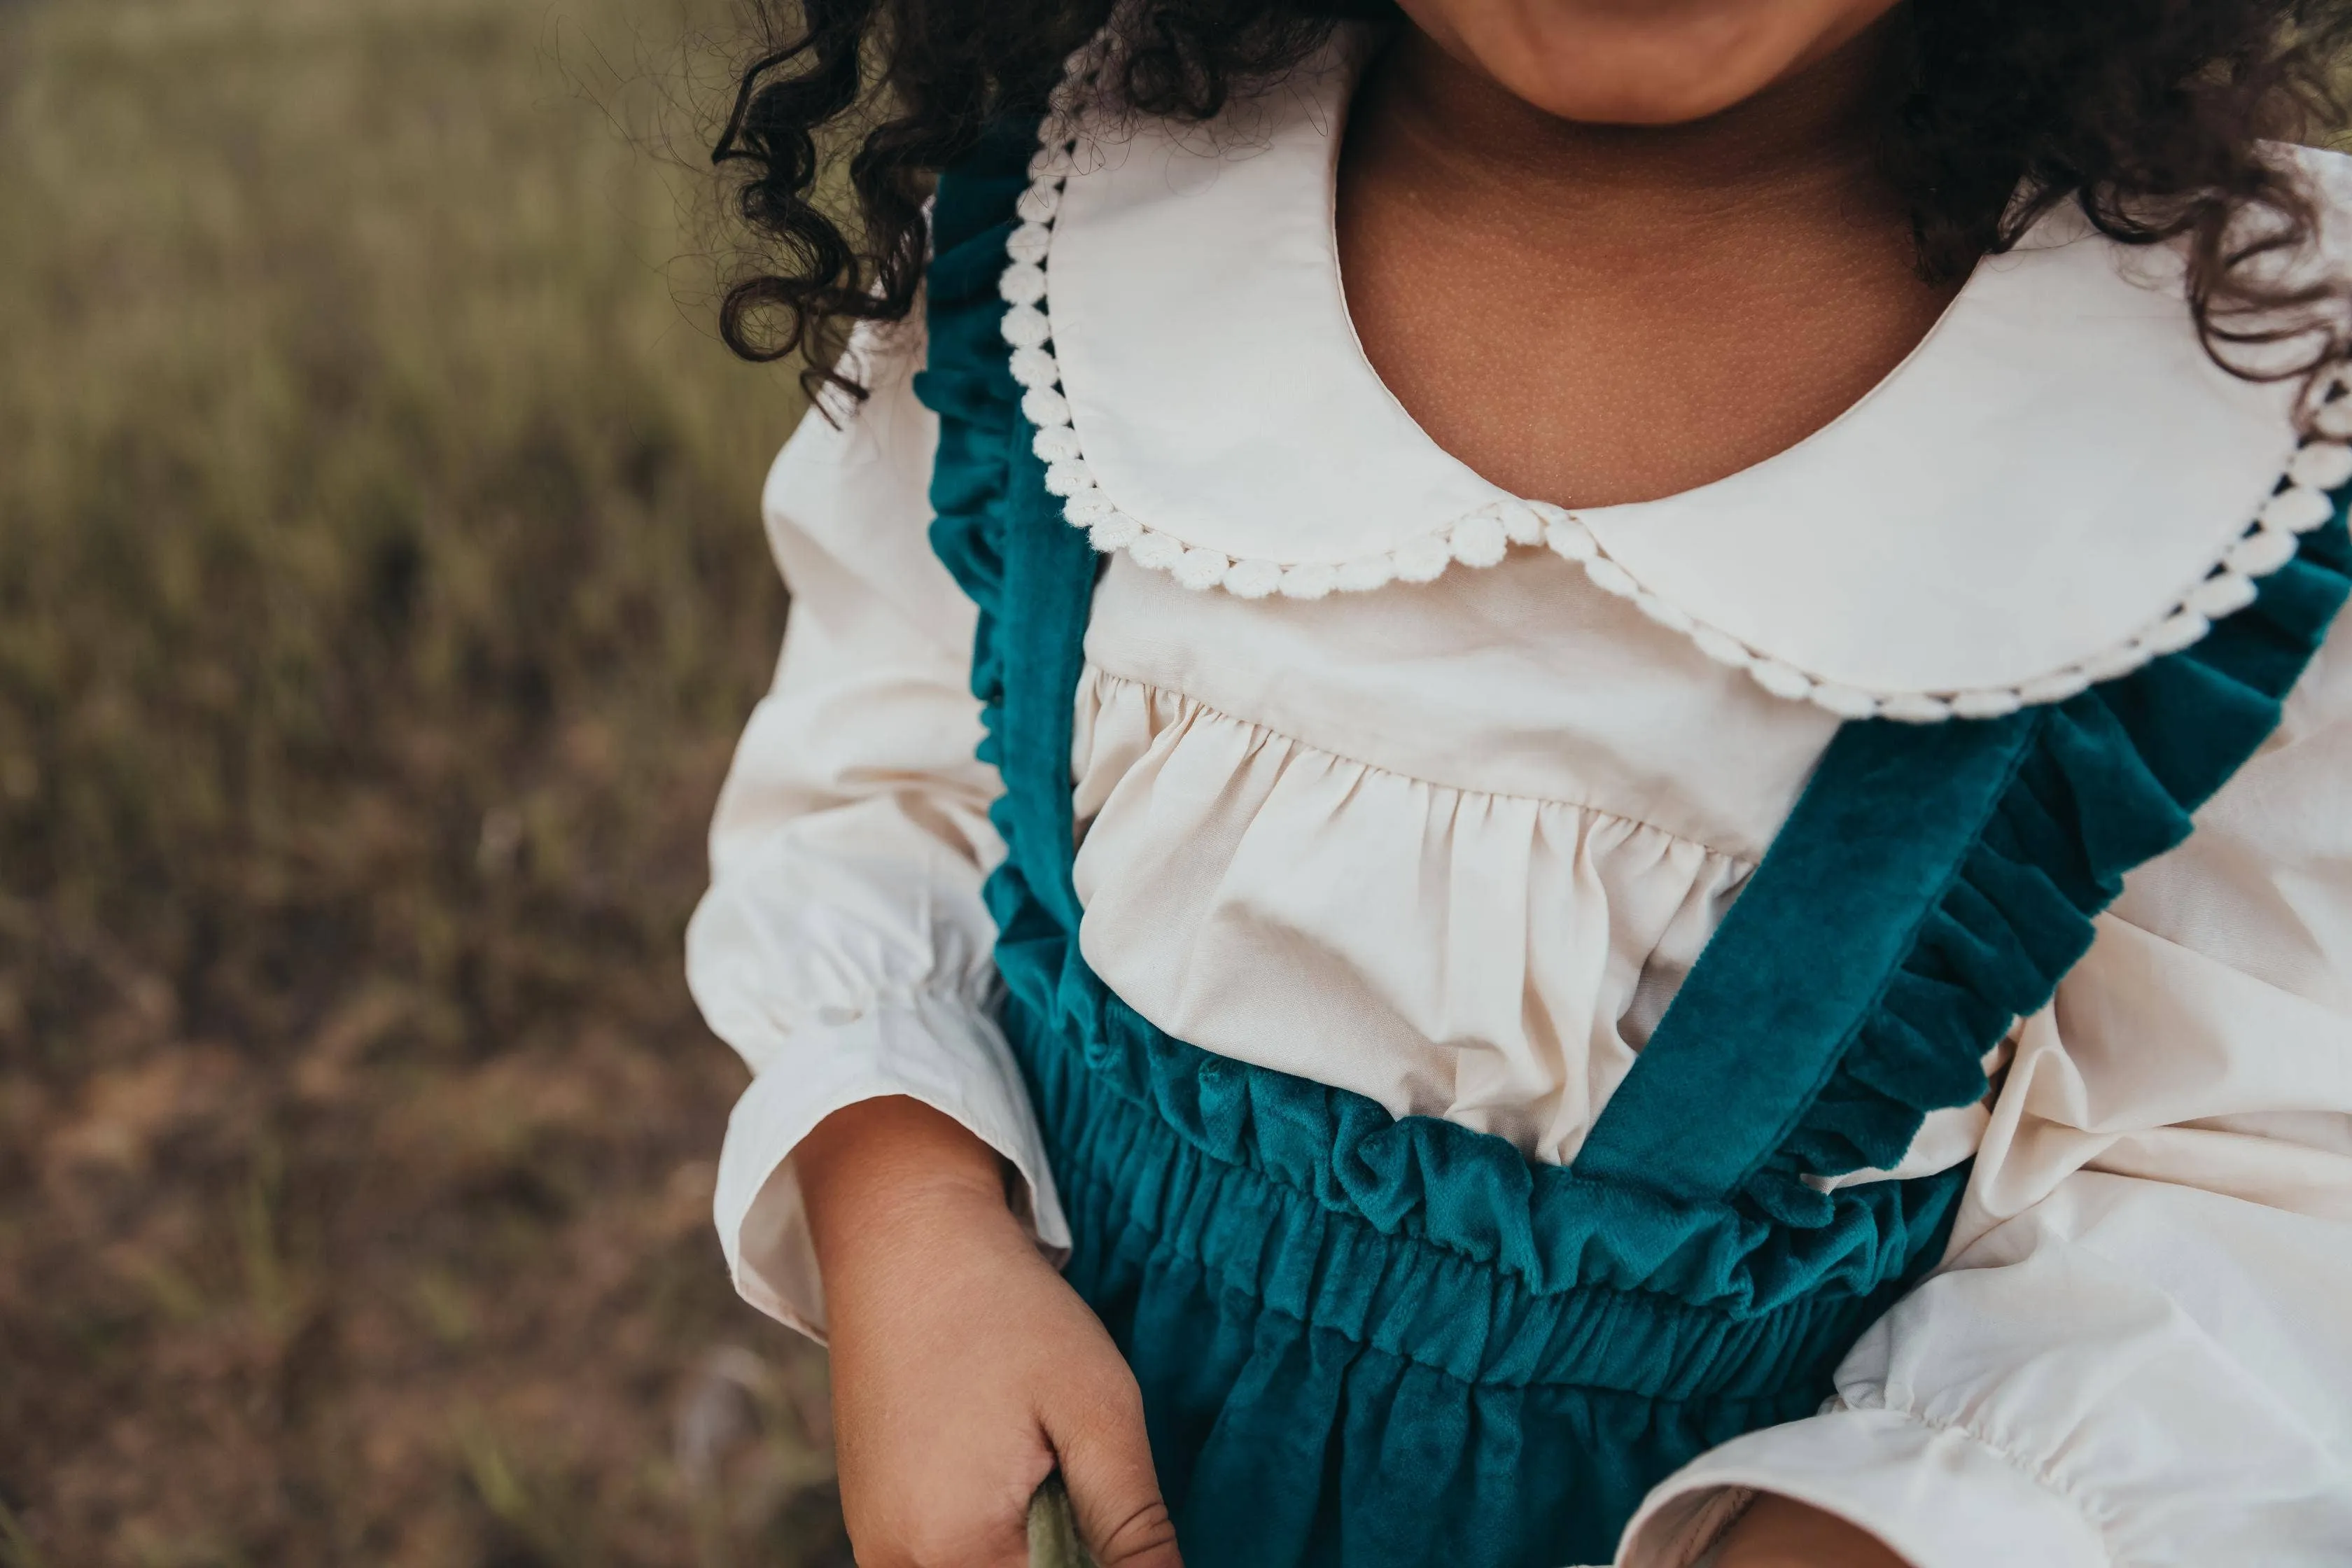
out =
column 380, row 589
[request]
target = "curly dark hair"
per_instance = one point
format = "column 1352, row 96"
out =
column 2150, row 114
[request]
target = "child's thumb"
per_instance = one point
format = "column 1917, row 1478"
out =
column 1115, row 1491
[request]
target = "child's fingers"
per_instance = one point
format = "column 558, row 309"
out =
column 1114, row 1489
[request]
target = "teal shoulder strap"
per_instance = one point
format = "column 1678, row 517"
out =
column 1002, row 536
column 1889, row 819
column 1933, row 884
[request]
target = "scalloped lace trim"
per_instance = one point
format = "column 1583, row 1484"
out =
column 2299, row 504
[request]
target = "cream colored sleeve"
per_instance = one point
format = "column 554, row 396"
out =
column 843, row 948
column 2137, row 1352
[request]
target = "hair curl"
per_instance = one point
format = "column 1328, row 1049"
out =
column 2150, row 114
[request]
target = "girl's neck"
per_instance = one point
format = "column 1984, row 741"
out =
column 1590, row 314
column 1803, row 148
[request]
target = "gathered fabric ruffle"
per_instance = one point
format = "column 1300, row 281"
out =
column 1492, row 960
column 980, row 469
column 1385, row 1342
column 1548, row 1230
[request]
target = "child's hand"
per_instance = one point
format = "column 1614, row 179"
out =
column 1780, row 1532
column 965, row 1369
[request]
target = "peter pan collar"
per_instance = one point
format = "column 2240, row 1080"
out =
column 2056, row 486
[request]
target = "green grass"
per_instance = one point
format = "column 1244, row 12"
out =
column 381, row 588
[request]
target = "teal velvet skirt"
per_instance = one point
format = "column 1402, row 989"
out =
column 1370, row 1342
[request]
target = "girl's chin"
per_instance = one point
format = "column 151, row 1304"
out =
column 1667, row 63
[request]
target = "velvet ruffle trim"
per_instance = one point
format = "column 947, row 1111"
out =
column 2110, row 780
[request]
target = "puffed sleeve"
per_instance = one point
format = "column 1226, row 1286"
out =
column 843, row 948
column 2139, row 1349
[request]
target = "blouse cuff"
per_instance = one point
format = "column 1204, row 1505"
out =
column 1937, row 1496
column 942, row 1049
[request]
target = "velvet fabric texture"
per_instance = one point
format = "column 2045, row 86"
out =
column 1951, row 872
column 1372, row 1342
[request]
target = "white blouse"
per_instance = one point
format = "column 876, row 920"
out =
column 1377, row 789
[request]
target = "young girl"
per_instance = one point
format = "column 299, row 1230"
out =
column 1556, row 780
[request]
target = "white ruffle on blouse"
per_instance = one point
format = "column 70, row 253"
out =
column 1454, row 843
column 1418, row 750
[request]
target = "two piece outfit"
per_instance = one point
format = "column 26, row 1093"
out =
column 1528, row 1025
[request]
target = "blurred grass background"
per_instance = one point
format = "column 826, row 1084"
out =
column 381, row 588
